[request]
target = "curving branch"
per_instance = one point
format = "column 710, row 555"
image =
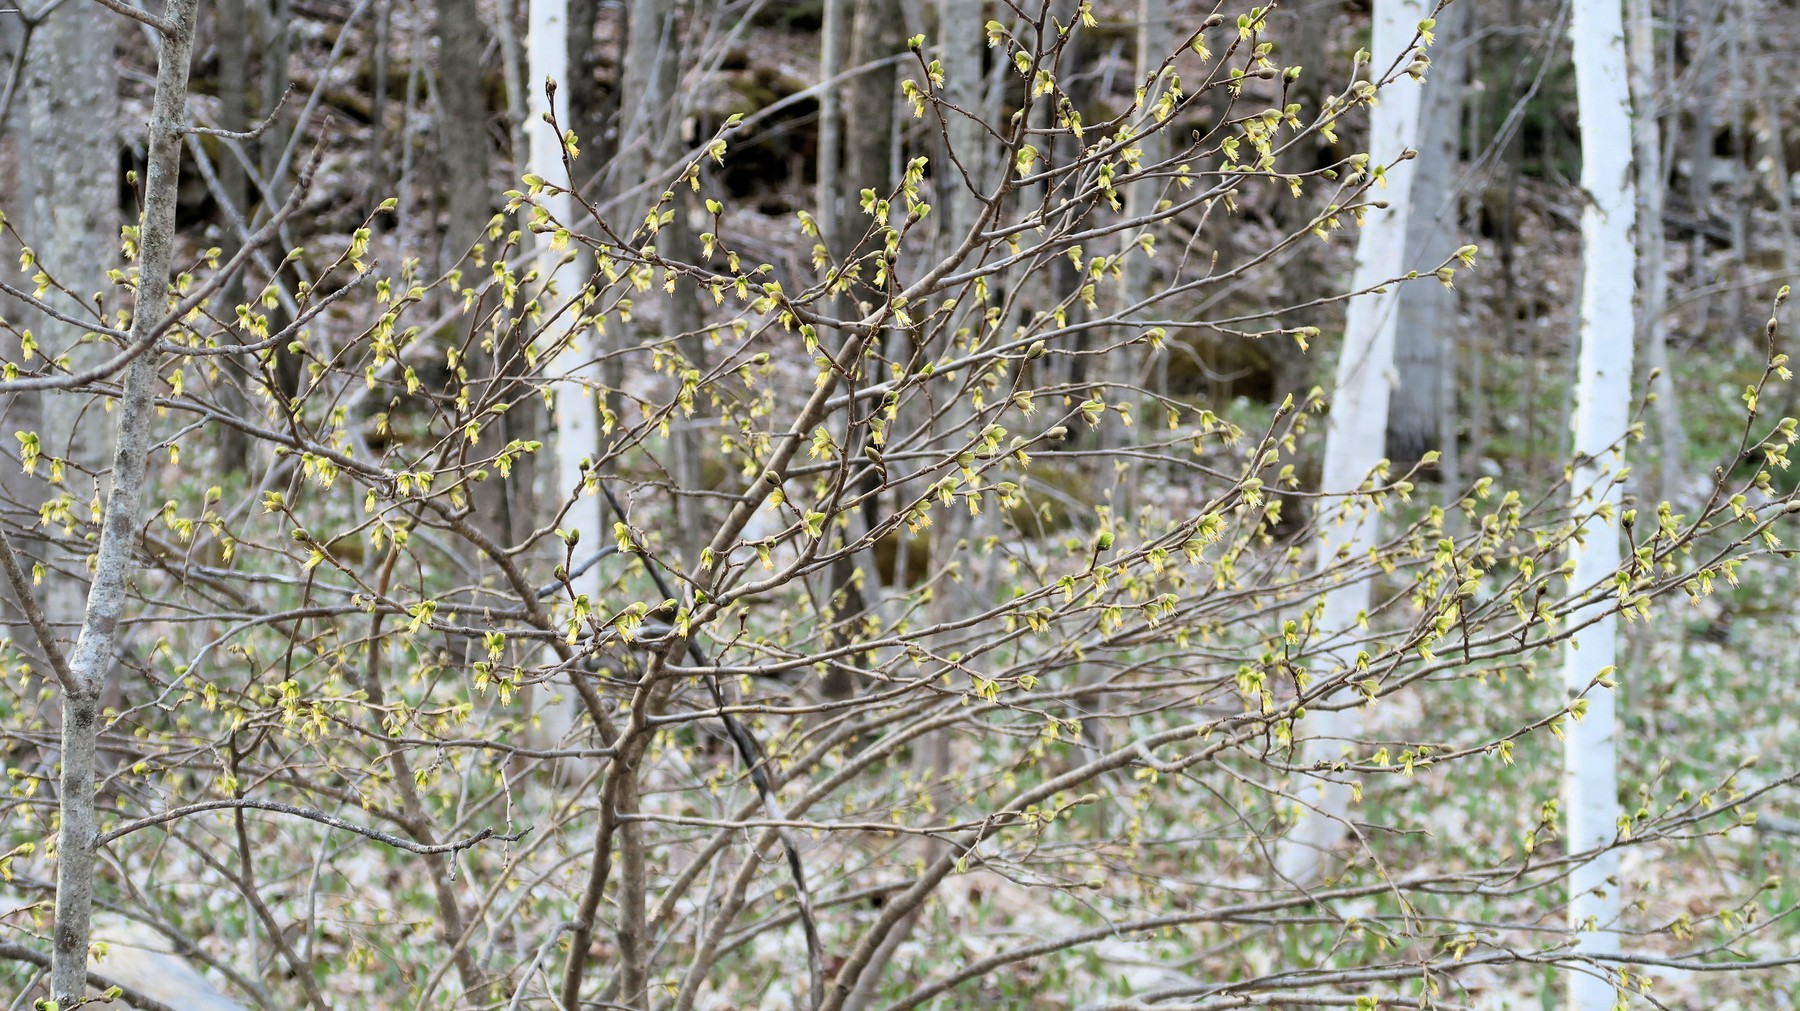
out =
column 327, row 820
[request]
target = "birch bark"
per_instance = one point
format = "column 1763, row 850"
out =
column 1602, row 413
column 1357, row 432
column 574, row 369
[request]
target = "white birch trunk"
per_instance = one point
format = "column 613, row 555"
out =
column 574, row 370
column 1602, row 412
column 1357, row 429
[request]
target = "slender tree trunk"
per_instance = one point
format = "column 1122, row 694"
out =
column 378, row 100
column 573, row 369
column 75, row 867
column 1479, row 339
column 834, row 36
column 1130, row 370
column 650, row 138
column 1704, row 94
column 462, row 125
column 234, row 114
column 1741, row 185
column 584, row 107
column 1428, row 324
column 577, row 424
column 512, row 58
column 845, row 598
column 959, row 29
column 14, row 36
column 1153, row 46
column 1602, row 412
column 1355, row 436
column 1653, row 268
column 960, row 50
column 1524, row 344
column 1304, row 38
column 869, row 152
column 1781, row 184
column 276, row 28
column 71, row 121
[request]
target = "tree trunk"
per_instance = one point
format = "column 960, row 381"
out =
column 1355, row 436
column 1704, row 95
column 1304, row 41
column 512, row 58
column 276, row 28
column 1653, row 266
column 1129, row 371
column 1602, row 413
column 70, row 109
column 1780, row 182
column 960, row 29
column 1428, row 329
column 831, row 127
column 234, row 114
column 1152, row 48
column 584, row 109
column 462, row 126
column 75, row 866
column 650, row 138
column 577, row 425
column 869, row 153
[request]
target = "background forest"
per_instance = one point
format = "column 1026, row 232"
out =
column 852, row 504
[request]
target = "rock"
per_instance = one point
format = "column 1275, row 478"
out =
column 144, row 960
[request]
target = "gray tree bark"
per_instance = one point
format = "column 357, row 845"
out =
column 512, row 64
column 75, row 866
column 650, row 137
column 1304, row 39
column 1652, row 245
column 277, row 21
column 233, row 31
column 833, row 39
column 1152, row 48
column 1428, row 322
column 869, row 149
column 1703, row 98
column 960, row 49
column 585, row 114
column 462, row 126
column 71, row 145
